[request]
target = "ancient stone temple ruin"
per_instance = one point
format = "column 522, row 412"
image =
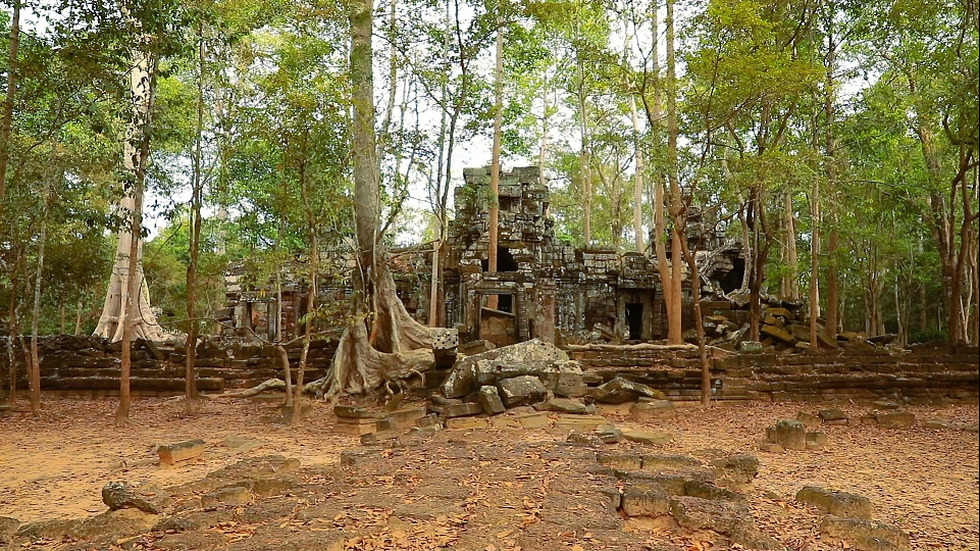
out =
column 545, row 288
column 552, row 290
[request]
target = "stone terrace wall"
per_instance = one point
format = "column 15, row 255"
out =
column 917, row 376
column 90, row 366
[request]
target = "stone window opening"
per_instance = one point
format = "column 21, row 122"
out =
column 505, row 261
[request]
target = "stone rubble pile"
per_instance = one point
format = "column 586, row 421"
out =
column 784, row 328
column 848, row 520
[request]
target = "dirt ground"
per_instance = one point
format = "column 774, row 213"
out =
column 923, row 480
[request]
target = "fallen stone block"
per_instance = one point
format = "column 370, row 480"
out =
column 566, row 380
column 895, row 419
column 862, row 531
column 122, row 495
column 620, row 390
column 490, row 400
column 815, row 440
column 523, row 390
column 841, row 504
column 653, row 462
column 779, row 334
column 833, row 416
column 240, row 443
column 609, row 434
column 381, row 435
column 728, row 518
column 354, row 426
column 174, row 524
column 937, row 424
column 707, row 490
column 110, row 524
column 462, row 409
column 645, row 500
column 463, row 379
column 235, row 494
column 565, row 405
column 404, row 418
column 655, row 438
column 353, row 412
column 466, row 423
column 788, row 433
column 584, row 439
column 750, row 347
column 581, row 423
column 534, row 420
column 653, row 410
column 770, row 447
column 735, row 470
column 619, row 460
column 809, row 420
column 429, row 422
column 171, row 454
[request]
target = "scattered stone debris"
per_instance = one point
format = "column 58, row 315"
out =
column 790, row 434
column 841, row 504
column 171, row 454
column 687, row 491
column 233, row 494
column 121, row 495
column 8, row 526
column 865, row 535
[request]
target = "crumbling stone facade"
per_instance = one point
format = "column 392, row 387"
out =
column 548, row 289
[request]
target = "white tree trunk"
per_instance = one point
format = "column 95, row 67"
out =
column 113, row 311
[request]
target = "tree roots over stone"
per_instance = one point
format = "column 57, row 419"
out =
column 397, row 349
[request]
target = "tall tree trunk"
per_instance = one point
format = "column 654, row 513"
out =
column 402, row 346
column 366, row 185
column 129, row 247
column 815, row 265
column 12, row 329
column 814, row 246
column 545, row 118
column 35, row 373
column 637, row 181
column 434, row 285
column 297, row 412
column 832, row 319
column 585, row 161
column 830, row 151
column 8, row 102
column 789, row 286
column 675, row 331
column 669, row 272
column 132, row 319
column 287, row 374
column 498, row 115
column 78, row 318
column 190, row 381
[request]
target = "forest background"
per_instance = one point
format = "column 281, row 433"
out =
column 838, row 140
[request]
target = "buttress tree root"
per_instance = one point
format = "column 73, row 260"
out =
column 401, row 348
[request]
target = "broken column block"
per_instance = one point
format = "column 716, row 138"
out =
column 444, row 348
column 171, row 454
column 841, row 504
column 523, row 390
column 490, row 400
column 788, row 433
